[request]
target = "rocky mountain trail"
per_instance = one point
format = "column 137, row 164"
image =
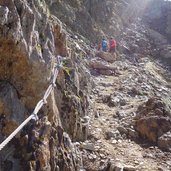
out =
column 115, row 141
column 108, row 112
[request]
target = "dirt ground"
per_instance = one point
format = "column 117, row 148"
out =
column 115, row 149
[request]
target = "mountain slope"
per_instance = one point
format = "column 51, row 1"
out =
column 93, row 98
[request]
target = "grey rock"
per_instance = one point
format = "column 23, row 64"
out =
column 88, row 146
column 114, row 141
column 132, row 133
column 97, row 114
column 122, row 102
column 120, row 114
column 109, row 134
column 122, row 130
column 3, row 15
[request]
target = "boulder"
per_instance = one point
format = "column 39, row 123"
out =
column 102, row 67
column 107, row 56
column 153, row 120
column 152, row 127
column 95, row 64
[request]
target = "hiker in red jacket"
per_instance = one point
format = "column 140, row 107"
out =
column 112, row 45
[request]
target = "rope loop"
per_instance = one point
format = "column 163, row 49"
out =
column 38, row 106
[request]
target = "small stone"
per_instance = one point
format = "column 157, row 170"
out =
column 92, row 156
column 151, row 147
column 168, row 163
column 99, row 141
column 119, row 141
column 102, row 156
column 109, row 135
column 114, row 141
column 76, row 144
column 122, row 102
column 120, row 114
column 97, row 147
column 122, row 130
column 136, row 162
column 160, row 168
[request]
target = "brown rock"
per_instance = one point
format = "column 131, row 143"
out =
column 153, row 127
column 107, row 56
column 102, row 67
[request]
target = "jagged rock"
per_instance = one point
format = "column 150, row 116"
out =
column 107, row 56
column 152, row 124
column 153, row 127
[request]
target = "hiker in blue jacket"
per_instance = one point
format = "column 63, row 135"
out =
column 104, row 45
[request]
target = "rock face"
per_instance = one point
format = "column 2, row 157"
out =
column 30, row 40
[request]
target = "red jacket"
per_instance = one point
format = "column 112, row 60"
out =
column 112, row 43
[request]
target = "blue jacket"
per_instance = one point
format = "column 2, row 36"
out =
column 104, row 44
